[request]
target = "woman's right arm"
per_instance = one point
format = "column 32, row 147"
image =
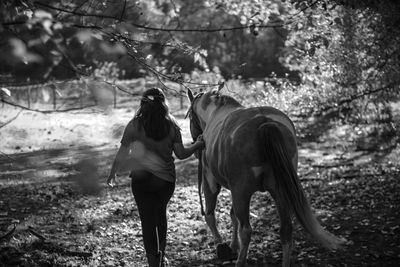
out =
column 122, row 153
column 183, row 152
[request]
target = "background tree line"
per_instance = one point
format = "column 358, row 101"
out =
column 325, row 55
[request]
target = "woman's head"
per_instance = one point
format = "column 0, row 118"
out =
column 153, row 114
column 153, row 94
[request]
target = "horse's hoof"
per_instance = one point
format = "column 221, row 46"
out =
column 224, row 252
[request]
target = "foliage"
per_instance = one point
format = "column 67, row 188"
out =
column 60, row 35
column 108, row 71
column 317, row 56
column 244, row 51
column 345, row 55
column 43, row 40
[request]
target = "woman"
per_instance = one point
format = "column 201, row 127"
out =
column 148, row 142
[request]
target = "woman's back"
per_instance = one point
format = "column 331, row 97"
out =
column 135, row 132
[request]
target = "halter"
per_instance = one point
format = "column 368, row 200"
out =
column 194, row 119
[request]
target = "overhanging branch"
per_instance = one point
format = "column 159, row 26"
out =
column 356, row 97
column 11, row 120
column 82, row 14
column 273, row 24
column 45, row 111
column 151, row 28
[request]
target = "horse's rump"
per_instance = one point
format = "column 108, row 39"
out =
column 234, row 146
column 239, row 133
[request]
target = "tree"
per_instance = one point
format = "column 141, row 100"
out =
column 348, row 54
column 51, row 37
column 343, row 50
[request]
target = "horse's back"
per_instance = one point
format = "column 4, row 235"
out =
column 258, row 115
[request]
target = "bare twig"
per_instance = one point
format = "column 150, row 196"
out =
column 78, row 253
column 176, row 11
column 37, row 3
column 123, row 11
column 32, row 231
column 7, row 156
column 356, row 97
column 79, row 6
column 9, row 234
column 120, row 88
column 11, row 120
column 46, row 111
column 333, row 165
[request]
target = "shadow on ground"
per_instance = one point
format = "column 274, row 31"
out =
column 356, row 194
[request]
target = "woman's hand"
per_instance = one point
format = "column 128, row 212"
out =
column 111, row 180
column 200, row 142
column 182, row 152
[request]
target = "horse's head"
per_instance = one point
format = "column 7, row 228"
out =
column 202, row 106
column 195, row 123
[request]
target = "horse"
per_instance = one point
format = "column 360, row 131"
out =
column 249, row 150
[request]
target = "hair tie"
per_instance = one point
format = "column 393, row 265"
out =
column 148, row 99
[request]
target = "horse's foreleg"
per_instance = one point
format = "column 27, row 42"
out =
column 285, row 231
column 241, row 207
column 235, row 241
column 211, row 202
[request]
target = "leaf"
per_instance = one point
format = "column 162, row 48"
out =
column 203, row 52
column 196, row 57
column 84, row 36
column 47, row 24
column 338, row 21
column 43, row 14
column 19, row 48
column 325, row 41
column 311, row 51
column 252, row 27
column 20, row 51
column 113, row 49
column 5, row 91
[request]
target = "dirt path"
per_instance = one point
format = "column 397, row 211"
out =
column 57, row 194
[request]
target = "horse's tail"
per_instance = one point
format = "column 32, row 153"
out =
column 289, row 190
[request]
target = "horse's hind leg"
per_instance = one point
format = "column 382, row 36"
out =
column 241, row 202
column 211, row 202
column 235, row 241
column 285, row 230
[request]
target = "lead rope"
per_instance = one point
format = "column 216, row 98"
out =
column 200, row 180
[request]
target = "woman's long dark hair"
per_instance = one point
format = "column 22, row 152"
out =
column 153, row 114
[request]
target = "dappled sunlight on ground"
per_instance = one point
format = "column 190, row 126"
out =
column 55, row 183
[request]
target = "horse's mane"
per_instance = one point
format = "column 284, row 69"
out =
column 220, row 101
column 225, row 100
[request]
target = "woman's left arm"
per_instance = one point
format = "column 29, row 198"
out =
column 122, row 153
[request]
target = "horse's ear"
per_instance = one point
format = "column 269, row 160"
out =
column 190, row 95
column 221, row 85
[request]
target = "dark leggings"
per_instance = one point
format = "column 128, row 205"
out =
column 152, row 195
